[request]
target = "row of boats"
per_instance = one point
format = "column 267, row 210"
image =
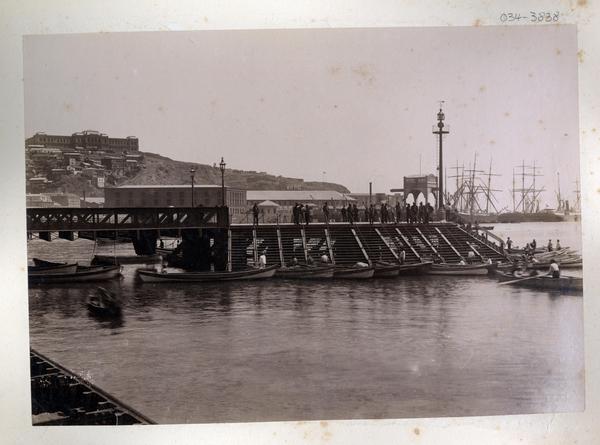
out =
column 510, row 273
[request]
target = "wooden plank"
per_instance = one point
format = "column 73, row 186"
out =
column 387, row 245
column 448, row 242
column 429, row 244
column 361, row 246
column 407, row 242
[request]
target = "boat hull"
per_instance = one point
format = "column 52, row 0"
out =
column 415, row 269
column 204, row 277
column 305, row 273
column 51, row 269
column 127, row 259
column 99, row 273
column 561, row 284
column 386, row 270
column 354, row 273
column 459, row 269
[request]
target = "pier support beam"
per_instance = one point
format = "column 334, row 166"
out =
column 364, row 252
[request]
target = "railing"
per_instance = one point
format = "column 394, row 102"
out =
column 95, row 219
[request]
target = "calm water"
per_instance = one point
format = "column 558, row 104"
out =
column 282, row 350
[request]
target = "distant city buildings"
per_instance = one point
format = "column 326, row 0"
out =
column 85, row 140
column 93, row 156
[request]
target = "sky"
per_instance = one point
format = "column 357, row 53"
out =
column 350, row 106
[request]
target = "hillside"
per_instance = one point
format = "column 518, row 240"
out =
column 159, row 170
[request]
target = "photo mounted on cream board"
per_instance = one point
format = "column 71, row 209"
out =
column 301, row 224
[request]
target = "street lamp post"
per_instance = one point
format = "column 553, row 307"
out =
column 192, row 173
column 222, row 167
column 440, row 132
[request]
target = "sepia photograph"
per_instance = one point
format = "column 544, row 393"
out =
column 303, row 224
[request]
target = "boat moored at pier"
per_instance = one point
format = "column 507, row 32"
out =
column 305, row 272
column 202, row 277
column 460, row 269
column 81, row 274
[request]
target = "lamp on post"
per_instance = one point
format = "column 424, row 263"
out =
column 192, row 173
column 222, row 167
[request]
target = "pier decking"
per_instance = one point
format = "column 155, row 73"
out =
column 59, row 397
column 346, row 244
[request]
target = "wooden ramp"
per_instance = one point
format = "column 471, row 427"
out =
column 346, row 244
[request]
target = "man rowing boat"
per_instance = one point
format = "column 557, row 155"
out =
column 554, row 270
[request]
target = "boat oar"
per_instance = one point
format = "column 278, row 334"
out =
column 520, row 279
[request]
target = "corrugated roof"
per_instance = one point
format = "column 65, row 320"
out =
column 268, row 204
column 296, row 195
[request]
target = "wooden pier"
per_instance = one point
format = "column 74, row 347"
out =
column 59, row 397
column 346, row 244
column 208, row 237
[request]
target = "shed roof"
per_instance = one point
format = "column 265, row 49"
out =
column 297, row 195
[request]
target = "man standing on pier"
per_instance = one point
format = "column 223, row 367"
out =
column 355, row 213
column 307, row 214
column 398, row 212
column 326, row 212
column 407, row 210
column 344, row 213
column 255, row 213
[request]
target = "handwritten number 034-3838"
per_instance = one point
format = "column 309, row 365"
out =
column 533, row 17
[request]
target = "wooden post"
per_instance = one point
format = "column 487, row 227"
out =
column 329, row 247
column 281, row 257
column 255, row 245
column 304, row 245
column 229, row 244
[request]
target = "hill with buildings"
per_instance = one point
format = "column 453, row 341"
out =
column 160, row 170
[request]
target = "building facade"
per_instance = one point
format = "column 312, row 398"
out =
column 88, row 140
column 177, row 196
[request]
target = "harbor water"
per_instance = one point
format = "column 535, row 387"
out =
column 284, row 350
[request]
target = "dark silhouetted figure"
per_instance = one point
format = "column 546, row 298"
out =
column 326, row 212
column 255, row 212
column 344, row 213
column 307, row 214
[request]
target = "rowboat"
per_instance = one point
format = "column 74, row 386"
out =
column 561, row 264
column 354, row 273
column 127, row 259
column 81, row 274
column 200, row 277
column 103, row 304
column 48, row 267
column 460, row 269
column 305, row 272
column 545, row 282
column 415, row 268
column 383, row 269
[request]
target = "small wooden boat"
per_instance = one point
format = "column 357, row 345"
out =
column 544, row 282
column 354, row 273
column 305, row 272
column 43, row 267
column 383, row 269
column 415, row 268
column 460, row 269
column 104, row 304
column 127, row 259
column 81, row 274
column 200, row 277
column 562, row 265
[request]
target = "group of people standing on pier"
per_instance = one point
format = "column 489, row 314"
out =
column 384, row 213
